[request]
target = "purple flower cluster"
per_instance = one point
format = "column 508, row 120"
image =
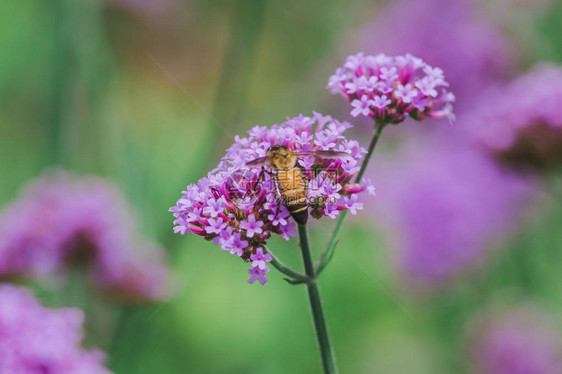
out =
column 390, row 88
column 237, row 211
column 446, row 202
column 37, row 340
column 521, row 122
column 515, row 341
column 60, row 220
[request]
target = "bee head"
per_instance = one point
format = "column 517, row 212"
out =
column 282, row 157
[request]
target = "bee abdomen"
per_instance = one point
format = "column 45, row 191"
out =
column 299, row 212
column 293, row 190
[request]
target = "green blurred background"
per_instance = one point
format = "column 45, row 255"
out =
column 134, row 91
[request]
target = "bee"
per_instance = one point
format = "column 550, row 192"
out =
column 290, row 179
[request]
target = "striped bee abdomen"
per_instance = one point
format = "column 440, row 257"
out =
column 293, row 193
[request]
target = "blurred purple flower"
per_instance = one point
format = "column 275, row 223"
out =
column 521, row 122
column 445, row 33
column 37, row 340
column 446, row 202
column 395, row 83
column 381, row 102
column 352, row 204
column 514, row 341
column 61, row 220
column 249, row 214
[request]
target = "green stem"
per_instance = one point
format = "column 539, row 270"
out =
column 328, row 358
column 279, row 265
column 379, row 126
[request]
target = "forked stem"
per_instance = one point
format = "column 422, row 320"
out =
column 326, row 352
column 295, row 276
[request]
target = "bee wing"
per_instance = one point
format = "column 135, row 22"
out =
column 324, row 154
column 258, row 161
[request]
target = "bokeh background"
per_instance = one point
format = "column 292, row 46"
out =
column 148, row 94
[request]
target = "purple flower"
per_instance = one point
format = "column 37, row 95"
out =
column 237, row 244
column 288, row 231
column 388, row 74
column 392, row 81
column 332, row 190
column 215, row 226
column 420, row 103
column 215, row 207
column 307, row 162
column 251, row 226
column 381, row 102
column 316, row 186
column 237, row 208
column 34, row 339
column 61, row 220
column 303, row 139
column 367, row 84
column 427, row 86
column 370, row 188
column 331, row 210
column 361, row 106
column 335, row 81
column 406, row 93
column 326, row 139
column 447, row 201
column 530, row 136
column 350, row 167
column 257, row 131
column 514, row 340
column 258, row 274
column 434, row 73
column 352, row 87
column 224, row 239
column 354, row 61
column 279, row 218
column 352, row 204
column 259, row 259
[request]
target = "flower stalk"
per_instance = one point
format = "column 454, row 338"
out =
column 379, row 126
column 326, row 352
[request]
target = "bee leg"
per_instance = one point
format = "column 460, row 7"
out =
column 278, row 195
column 278, row 209
column 253, row 188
